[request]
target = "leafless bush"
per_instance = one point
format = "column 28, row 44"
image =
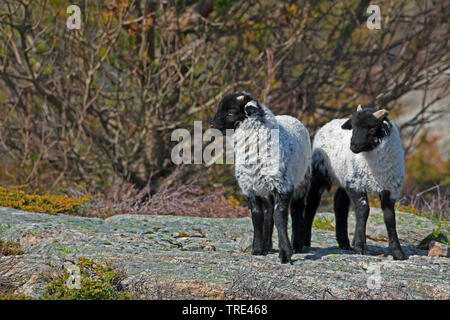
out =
column 434, row 202
column 98, row 104
column 179, row 198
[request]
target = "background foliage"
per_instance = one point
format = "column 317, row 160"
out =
column 93, row 109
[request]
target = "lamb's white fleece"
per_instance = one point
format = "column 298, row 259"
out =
column 291, row 171
column 372, row 172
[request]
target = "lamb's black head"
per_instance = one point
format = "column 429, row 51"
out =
column 233, row 109
column 369, row 127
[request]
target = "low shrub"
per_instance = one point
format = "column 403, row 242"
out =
column 178, row 198
column 9, row 248
column 97, row 282
column 17, row 198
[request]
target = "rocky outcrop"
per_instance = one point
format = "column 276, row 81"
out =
column 174, row 257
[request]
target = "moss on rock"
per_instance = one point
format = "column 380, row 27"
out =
column 97, row 282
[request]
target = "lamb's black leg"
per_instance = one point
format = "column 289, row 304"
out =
column 341, row 205
column 298, row 226
column 280, row 217
column 387, row 204
column 256, row 207
column 268, row 224
column 319, row 183
column 312, row 204
column 361, row 204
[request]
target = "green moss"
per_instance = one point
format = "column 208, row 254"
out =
column 98, row 282
column 12, row 296
column 9, row 248
column 438, row 235
column 182, row 235
column 323, row 223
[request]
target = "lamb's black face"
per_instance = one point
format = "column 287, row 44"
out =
column 232, row 110
column 368, row 128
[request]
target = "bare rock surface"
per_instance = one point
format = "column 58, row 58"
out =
column 174, row 257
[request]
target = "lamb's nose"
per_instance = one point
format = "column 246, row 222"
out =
column 354, row 148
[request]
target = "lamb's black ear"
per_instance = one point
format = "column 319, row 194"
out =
column 347, row 125
column 253, row 107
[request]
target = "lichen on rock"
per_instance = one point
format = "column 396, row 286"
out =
column 174, row 257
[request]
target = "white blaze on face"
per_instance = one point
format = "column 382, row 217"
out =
column 359, row 108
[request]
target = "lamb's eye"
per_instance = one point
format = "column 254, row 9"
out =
column 371, row 131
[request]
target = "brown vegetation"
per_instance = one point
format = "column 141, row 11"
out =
column 93, row 109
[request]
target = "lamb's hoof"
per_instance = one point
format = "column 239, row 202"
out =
column 344, row 244
column 298, row 248
column 361, row 249
column 285, row 259
column 285, row 256
column 398, row 254
column 258, row 252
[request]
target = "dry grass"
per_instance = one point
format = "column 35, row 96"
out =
column 190, row 199
column 433, row 202
column 181, row 199
column 9, row 248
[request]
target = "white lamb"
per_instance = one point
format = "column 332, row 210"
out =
column 364, row 155
column 273, row 169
